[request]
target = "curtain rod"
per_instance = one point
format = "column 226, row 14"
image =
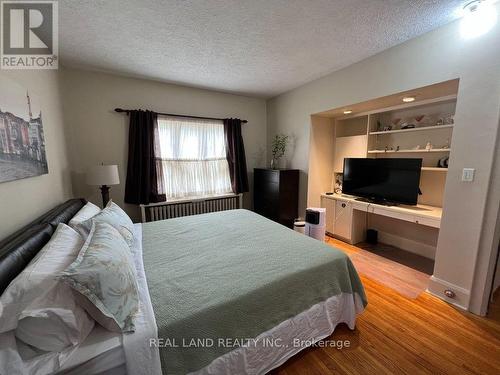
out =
column 127, row 111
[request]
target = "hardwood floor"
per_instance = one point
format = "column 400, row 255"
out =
column 401, row 335
column 408, row 281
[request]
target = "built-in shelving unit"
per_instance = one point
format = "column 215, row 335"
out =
column 378, row 133
column 420, row 151
column 423, row 128
column 429, row 140
column 435, row 169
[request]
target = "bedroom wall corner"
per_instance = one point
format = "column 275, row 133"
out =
column 23, row 200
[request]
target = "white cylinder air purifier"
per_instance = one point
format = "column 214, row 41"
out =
column 315, row 223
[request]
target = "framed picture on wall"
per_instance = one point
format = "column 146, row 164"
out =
column 22, row 143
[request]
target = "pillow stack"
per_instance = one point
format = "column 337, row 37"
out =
column 84, row 274
column 112, row 215
column 42, row 311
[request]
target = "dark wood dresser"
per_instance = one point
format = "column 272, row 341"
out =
column 276, row 194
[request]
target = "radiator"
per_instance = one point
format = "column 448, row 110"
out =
column 178, row 208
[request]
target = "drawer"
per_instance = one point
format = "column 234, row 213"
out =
column 268, row 191
column 267, row 176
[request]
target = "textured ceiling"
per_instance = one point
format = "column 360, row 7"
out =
column 253, row 47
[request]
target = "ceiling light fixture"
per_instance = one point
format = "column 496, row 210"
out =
column 408, row 99
column 347, row 111
column 479, row 17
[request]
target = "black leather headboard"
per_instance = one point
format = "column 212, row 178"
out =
column 17, row 250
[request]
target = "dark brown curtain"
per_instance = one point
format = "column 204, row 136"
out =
column 144, row 174
column 235, row 155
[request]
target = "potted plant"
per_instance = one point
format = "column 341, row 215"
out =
column 279, row 143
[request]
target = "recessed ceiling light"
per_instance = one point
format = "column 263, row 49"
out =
column 347, row 111
column 479, row 17
column 408, row 99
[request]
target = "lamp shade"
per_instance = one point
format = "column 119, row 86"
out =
column 103, row 175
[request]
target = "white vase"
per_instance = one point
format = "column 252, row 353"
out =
column 274, row 163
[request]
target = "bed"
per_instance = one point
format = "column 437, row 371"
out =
column 221, row 293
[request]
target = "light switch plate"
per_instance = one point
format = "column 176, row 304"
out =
column 468, row 174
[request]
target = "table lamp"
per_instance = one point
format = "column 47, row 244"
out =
column 103, row 175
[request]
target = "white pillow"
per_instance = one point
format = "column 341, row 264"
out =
column 113, row 215
column 85, row 213
column 43, row 311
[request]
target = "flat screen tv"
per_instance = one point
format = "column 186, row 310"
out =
column 383, row 180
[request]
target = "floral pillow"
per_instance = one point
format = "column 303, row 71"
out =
column 113, row 215
column 103, row 279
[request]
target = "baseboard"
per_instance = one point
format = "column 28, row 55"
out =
column 411, row 246
column 437, row 287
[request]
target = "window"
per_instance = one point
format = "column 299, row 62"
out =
column 193, row 157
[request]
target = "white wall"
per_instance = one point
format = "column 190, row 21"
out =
column 434, row 57
column 21, row 201
column 321, row 158
column 98, row 134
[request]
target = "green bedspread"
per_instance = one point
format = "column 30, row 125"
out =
column 233, row 274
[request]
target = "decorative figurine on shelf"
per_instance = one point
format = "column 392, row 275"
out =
column 417, row 147
column 386, row 149
column 338, row 183
column 407, row 126
column 409, row 123
column 428, row 146
column 387, row 128
column 397, row 148
column 448, row 119
column 423, row 121
column 443, row 162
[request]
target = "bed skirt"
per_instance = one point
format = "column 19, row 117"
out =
column 274, row 347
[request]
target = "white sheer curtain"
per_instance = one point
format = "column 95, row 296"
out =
column 193, row 157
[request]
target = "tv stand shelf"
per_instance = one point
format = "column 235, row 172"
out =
column 356, row 211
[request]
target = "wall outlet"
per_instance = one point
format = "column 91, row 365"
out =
column 468, row 174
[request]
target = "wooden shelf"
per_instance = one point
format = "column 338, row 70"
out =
column 435, row 127
column 435, row 169
column 423, row 151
